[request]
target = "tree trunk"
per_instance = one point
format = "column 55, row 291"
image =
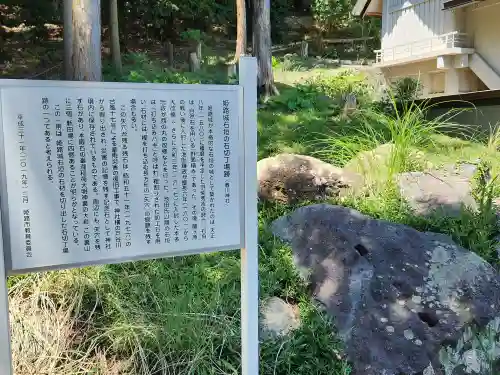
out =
column 170, row 54
column 86, row 35
column 262, row 47
column 68, row 39
column 115, row 36
column 241, row 38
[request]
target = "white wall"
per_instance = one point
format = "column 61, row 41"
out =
column 407, row 21
column 483, row 26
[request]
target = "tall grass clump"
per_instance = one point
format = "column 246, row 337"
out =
column 493, row 142
column 404, row 132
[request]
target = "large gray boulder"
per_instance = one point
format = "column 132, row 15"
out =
column 396, row 294
column 447, row 189
column 290, row 177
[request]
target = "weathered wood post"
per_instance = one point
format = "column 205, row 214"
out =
column 304, row 49
column 170, row 54
column 194, row 63
column 198, row 50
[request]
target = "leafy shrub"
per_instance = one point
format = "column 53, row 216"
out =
column 332, row 14
column 139, row 68
column 407, row 88
column 275, row 62
column 192, row 35
column 477, row 351
column 346, row 82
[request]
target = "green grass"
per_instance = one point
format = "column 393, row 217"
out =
column 182, row 315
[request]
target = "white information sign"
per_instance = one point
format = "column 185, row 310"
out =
column 96, row 173
column 112, row 172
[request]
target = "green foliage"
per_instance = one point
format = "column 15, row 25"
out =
column 139, row 68
column 332, row 14
column 345, row 82
column 477, row 351
column 406, row 89
column 322, row 93
column 275, row 62
column 280, row 9
column 192, row 35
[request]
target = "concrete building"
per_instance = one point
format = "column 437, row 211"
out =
column 451, row 46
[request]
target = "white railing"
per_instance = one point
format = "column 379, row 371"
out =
column 422, row 47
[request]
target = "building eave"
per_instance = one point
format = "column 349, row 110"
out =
column 360, row 7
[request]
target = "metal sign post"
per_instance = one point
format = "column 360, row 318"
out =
column 99, row 173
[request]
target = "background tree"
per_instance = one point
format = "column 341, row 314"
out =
column 115, row 36
column 262, row 47
column 86, row 40
column 241, row 33
column 68, row 39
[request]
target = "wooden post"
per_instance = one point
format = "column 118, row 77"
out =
column 304, row 49
column 194, row 63
column 115, row 37
column 198, row 51
column 231, row 70
column 170, row 54
column 68, row 39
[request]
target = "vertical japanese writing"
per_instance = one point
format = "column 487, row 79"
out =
column 156, row 173
column 201, row 162
column 192, row 166
column 117, row 225
column 227, row 152
column 82, row 153
column 175, row 170
column 48, row 139
column 61, row 178
column 70, row 130
column 145, row 172
column 127, row 216
column 105, row 173
column 211, row 173
column 165, row 176
column 133, row 114
column 96, row 203
column 184, row 175
column 23, row 168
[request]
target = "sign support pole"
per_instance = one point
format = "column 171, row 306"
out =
column 250, row 253
column 5, row 346
column 5, row 350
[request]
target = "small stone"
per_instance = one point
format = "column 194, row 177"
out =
column 416, row 299
column 389, row 329
column 418, row 342
column 384, row 320
column 408, row 334
column 278, row 318
column 401, row 302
